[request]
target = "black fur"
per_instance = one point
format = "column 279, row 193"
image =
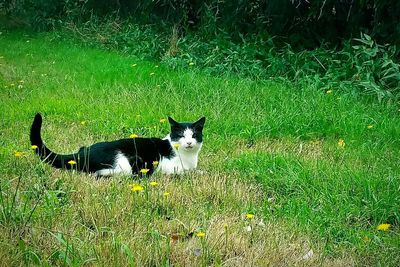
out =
column 141, row 152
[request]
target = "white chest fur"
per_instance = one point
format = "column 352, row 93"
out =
column 183, row 161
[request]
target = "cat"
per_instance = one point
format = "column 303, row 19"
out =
column 176, row 153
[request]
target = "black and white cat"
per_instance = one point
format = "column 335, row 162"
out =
column 176, row 153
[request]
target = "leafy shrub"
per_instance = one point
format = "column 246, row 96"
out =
column 39, row 14
column 376, row 71
column 366, row 65
column 302, row 23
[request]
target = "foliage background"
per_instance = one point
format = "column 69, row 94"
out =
column 346, row 45
column 301, row 23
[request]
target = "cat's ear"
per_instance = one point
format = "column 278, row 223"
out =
column 173, row 123
column 198, row 125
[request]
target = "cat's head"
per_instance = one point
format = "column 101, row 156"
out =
column 189, row 136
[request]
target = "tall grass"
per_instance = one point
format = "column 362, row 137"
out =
column 362, row 65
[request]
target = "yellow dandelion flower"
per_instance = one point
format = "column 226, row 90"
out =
column 329, row 92
column 166, row 194
column 153, row 184
column 144, row 171
column 176, row 146
column 137, row 188
column 366, row 239
column 341, row 143
column 151, row 74
column 383, row 227
column 72, row 162
column 155, row 163
column 191, row 63
column 134, row 136
column 201, row 234
column 18, row 154
column 370, row 126
column 34, row 147
column 249, row 216
column 163, row 120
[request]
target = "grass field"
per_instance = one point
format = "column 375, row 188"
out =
column 319, row 170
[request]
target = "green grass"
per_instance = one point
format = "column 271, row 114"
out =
column 270, row 148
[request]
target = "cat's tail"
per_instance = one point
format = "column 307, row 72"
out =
column 45, row 154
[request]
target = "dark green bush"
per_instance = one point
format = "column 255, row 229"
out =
column 38, row 14
column 301, row 23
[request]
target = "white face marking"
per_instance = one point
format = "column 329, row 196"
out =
column 187, row 142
